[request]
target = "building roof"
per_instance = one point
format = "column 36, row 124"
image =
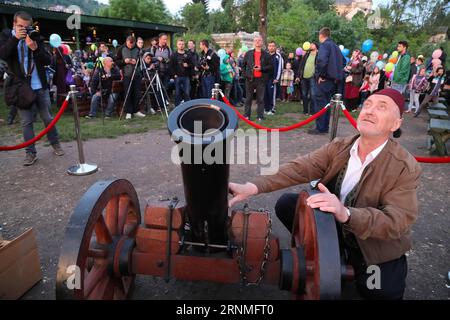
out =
column 39, row 13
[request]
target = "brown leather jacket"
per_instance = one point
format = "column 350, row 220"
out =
column 385, row 205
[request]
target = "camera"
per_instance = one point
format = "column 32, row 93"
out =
column 33, row 33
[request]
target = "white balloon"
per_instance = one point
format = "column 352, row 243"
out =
column 341, row 47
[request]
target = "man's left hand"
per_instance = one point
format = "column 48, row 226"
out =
column 328, row 202
column 30, row 43
column 275, row 81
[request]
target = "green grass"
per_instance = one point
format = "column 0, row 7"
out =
column 288, row 113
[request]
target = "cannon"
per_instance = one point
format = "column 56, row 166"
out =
column 107, row 242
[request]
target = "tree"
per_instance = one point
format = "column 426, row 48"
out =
column 321, row 6
column 194, row 17
column 140, row 10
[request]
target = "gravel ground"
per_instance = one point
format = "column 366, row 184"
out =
column 43, row 196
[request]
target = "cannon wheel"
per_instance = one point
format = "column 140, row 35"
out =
column 95, row 259
column 316, row 232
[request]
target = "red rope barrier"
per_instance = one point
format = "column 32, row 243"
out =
column 419, row 159
column 282, row 129
column 42, row 133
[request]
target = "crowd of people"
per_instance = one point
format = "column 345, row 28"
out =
column 265, row 74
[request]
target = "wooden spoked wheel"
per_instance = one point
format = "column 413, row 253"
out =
column 316, row 232
column 95, row 259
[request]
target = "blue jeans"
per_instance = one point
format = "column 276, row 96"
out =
column 399, row 87
column 323, row 93
column 42, row 105
column 207, row 86
column 95, row 103
column 182, row 89
column 270, row 95
column 236, row 92
column 308, row 87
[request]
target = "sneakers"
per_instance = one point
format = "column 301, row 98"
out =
column 152, row 111
column 57, row 149
column 89, row 117
column 30, row 158
column 139, row 114
column 128, row 116
column 260, row 119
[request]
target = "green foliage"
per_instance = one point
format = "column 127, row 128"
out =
column 140, row 10
column 87, row 6
column 194, row 17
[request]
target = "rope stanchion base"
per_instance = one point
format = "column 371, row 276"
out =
column 82, row 169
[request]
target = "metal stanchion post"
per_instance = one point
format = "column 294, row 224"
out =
column 335, row 104
column 215, row 91
column 83, row 168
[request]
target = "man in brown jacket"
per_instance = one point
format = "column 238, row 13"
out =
column 369, row 183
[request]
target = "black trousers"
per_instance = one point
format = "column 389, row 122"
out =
column 132, row 103
column 259, row 85
column 392, row 273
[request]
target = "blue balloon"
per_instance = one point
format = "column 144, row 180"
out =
column 347, row 60
column 367, row 45
column 55, row 40
column 380, row 64
column 115, row 43
column 345, row 52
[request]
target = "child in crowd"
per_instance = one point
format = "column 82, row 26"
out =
column 226, row 75
column 417, row 86
column 364, row 90
column 374, row 80
column 287, row 82
column 436, row 82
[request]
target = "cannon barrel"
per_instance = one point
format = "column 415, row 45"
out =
column 203, row 130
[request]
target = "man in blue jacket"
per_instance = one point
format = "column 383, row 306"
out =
column 329, row 74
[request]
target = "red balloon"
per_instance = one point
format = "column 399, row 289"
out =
column 380, row 57
column 64, row 50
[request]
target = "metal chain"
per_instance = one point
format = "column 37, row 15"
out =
column 240, row 251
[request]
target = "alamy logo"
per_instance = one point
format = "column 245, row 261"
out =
column 74, row 279
column 74, row 20
column 374, row 280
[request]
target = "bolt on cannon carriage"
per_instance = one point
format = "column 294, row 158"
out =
column 107, row 240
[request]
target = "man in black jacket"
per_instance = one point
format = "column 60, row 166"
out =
column 256, row 69
column 209, row 66
column 26, row 59
column 101, row 87
column 181, row 67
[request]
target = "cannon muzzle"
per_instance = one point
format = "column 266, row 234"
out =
column 203, row 130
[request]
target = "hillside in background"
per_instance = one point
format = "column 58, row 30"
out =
column 90, row 7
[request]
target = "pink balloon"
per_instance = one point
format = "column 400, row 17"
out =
column 437, row 54
column 436, row 62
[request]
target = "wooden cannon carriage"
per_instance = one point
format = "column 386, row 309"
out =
column 107, row 241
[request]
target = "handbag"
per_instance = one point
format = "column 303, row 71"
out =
column 18, row 92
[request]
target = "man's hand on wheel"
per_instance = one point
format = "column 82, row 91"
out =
column 241, row 192
column 328, row 202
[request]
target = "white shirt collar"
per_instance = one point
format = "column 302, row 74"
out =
column 371, row 156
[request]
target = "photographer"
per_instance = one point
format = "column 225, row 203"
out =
column 181, row 67
column 195, row 74
column 127, row 58
column 101, row 85
column 23, row 49
column 209, row 67
column 162, row 53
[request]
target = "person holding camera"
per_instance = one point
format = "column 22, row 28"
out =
column 101, row 86
column 181, row 67
column 195, row 73
column 26, row 87
column 209, row 68
column 162, row 53
column 127, row 58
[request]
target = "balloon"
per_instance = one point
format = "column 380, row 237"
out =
column 437, row 54
column 345, row 52
column 347, row 60
column 65, row 51
column 374, row 56
column 88, row 39
column 69, row 49
column 341, row 47
column 389, row 67
column 393, row 60
column 221, row 53
column 55, row 40
column 380, row 57
column 306, row 46
column 244, row 49
column 436, row 62
column 367, row 45
column 385, row 56
column 395, row 54
column 93, row 47
column 299, row 52
column 380, row 64
column 115, row 43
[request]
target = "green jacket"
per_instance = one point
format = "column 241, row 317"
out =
column 402, row 69
column 226, row 70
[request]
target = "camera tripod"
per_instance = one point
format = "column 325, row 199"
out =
column 155, row 80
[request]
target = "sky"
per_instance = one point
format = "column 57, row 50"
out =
column 175, row 5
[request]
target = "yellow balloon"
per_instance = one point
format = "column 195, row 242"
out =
column 93, row 47
column 389, row 67
column 306, row 46
column 395, row 54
